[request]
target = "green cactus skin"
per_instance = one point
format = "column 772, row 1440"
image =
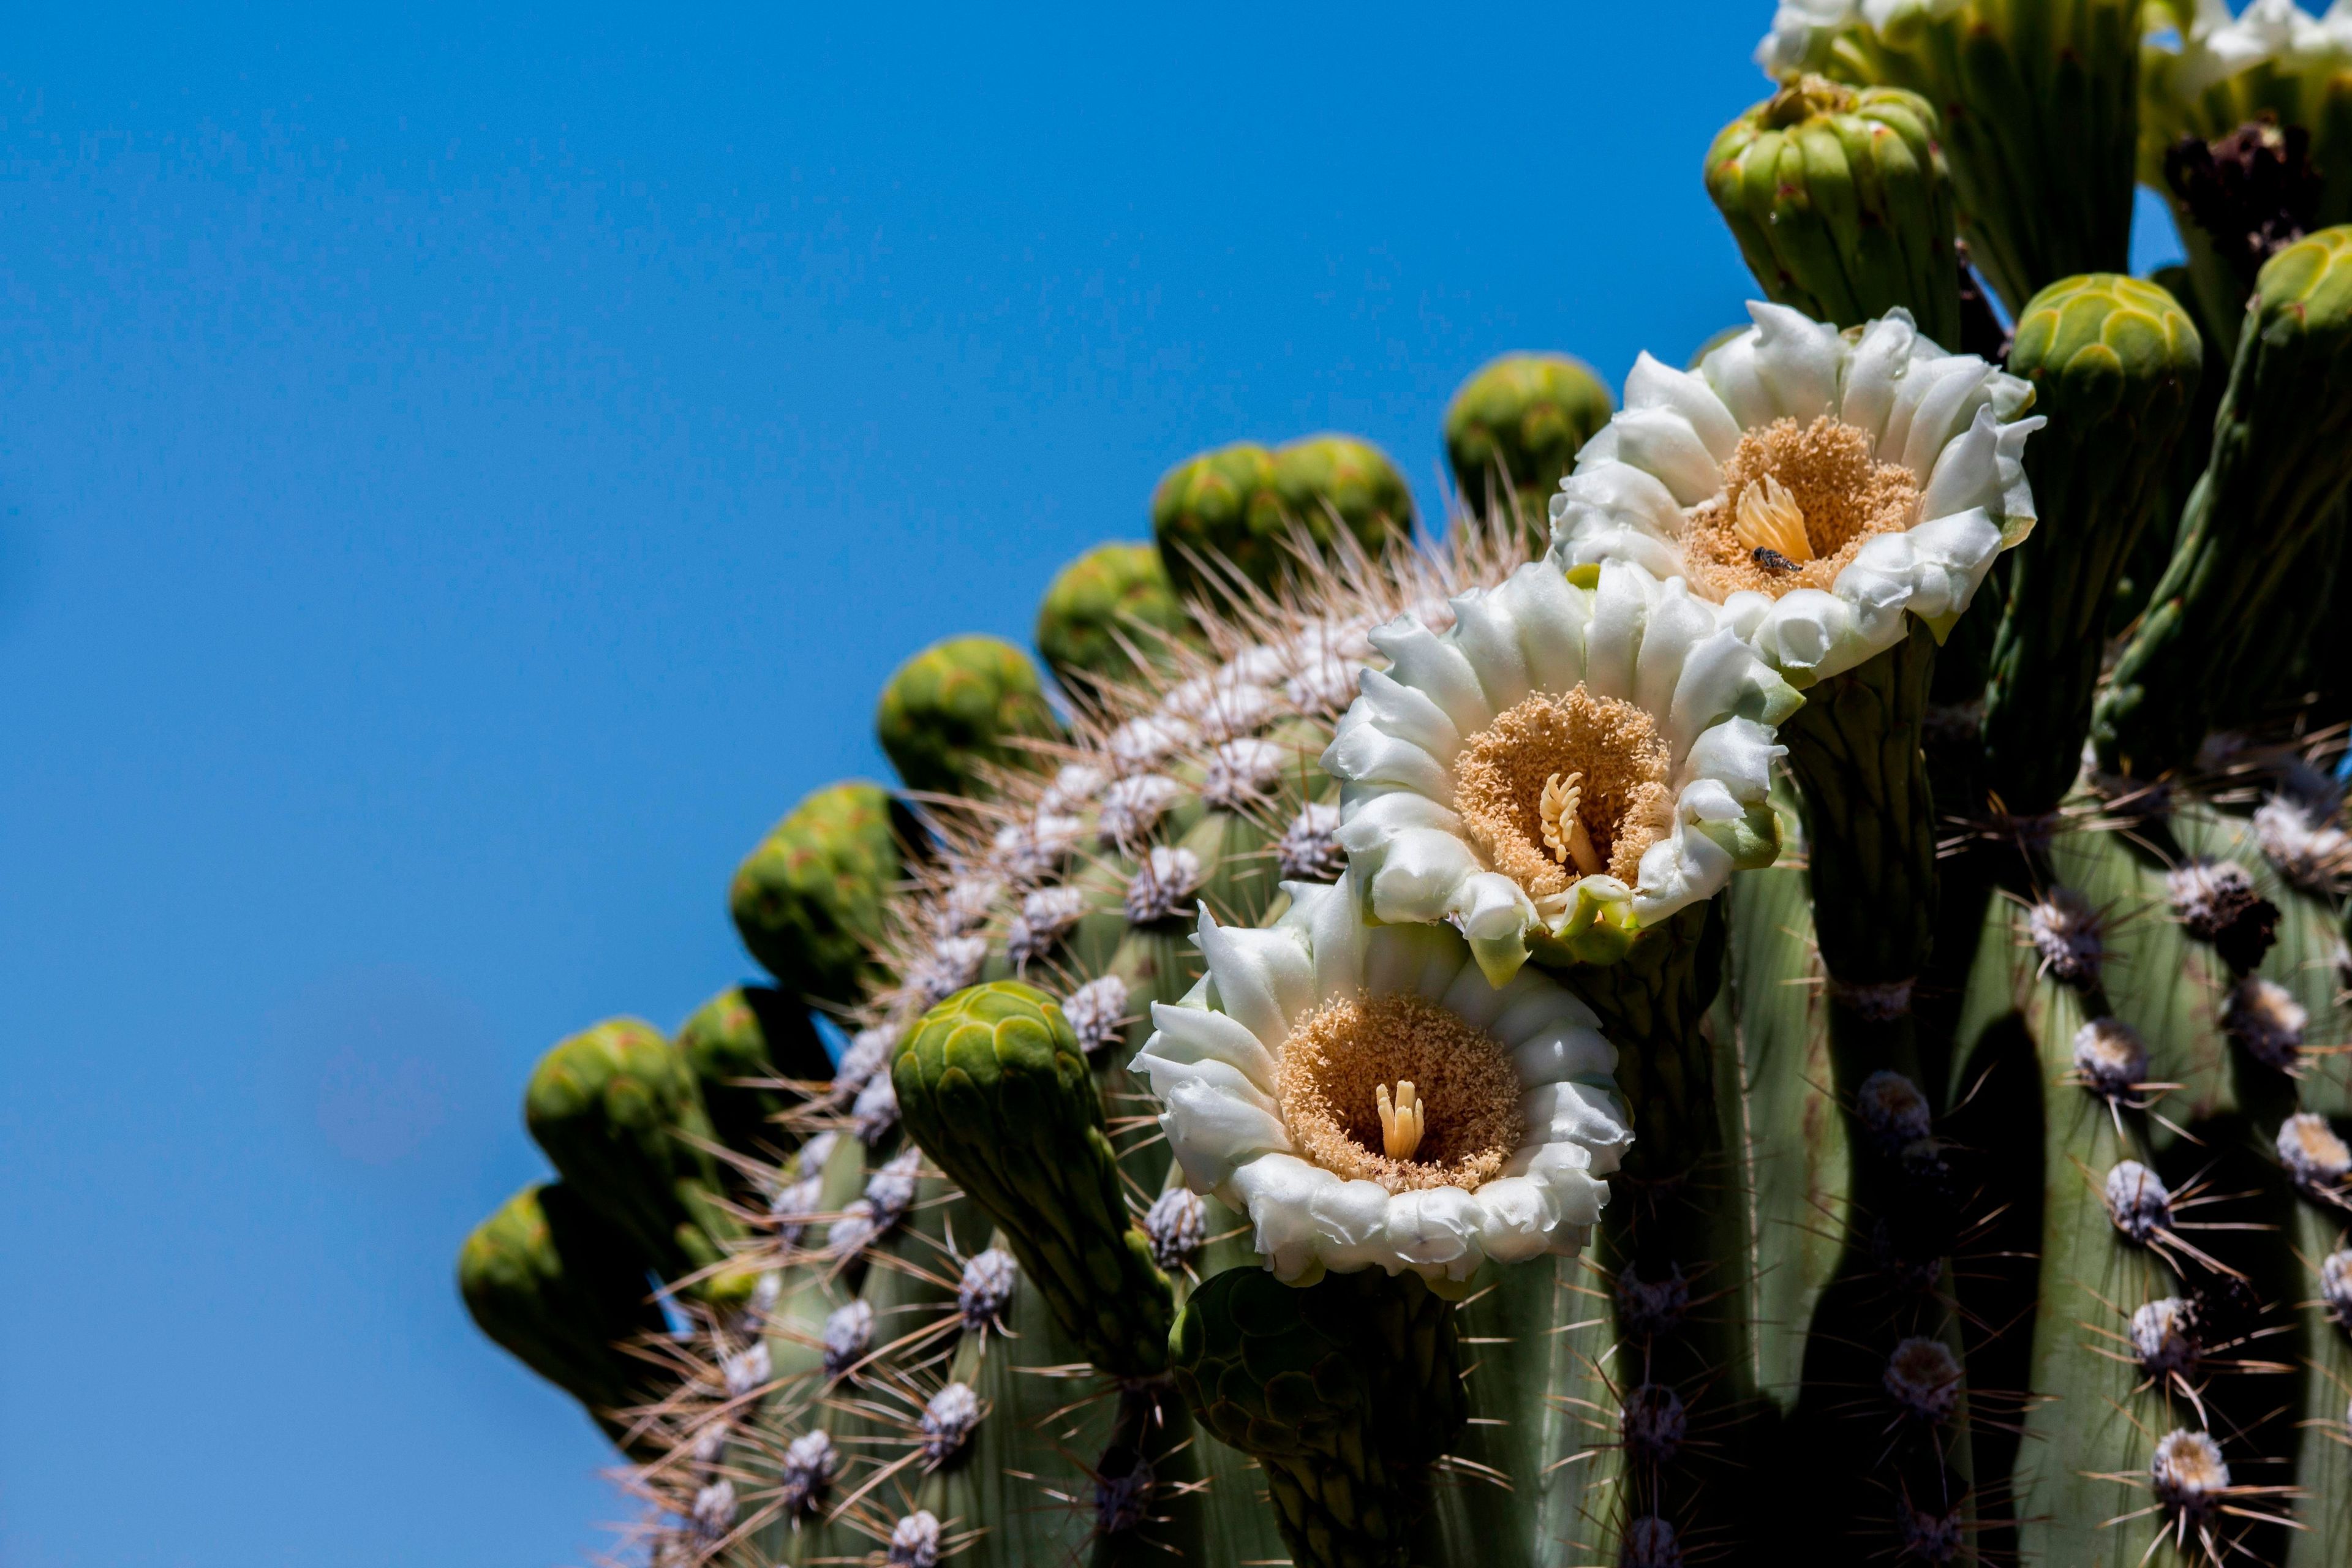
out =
column 1344, row 1391
column 1841, row 205
column 1240, row 504
column 957, row 712
column 750, row 1032
column 2281, row 461
column 562, row 1291
column 617, row 1113
column 1523, row 418
column 2115, row 363
column 1113, row 599
column 994, row 1088
column 2039, row 106
column 808, row 901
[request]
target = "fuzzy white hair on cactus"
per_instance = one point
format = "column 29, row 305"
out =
column 1270, row 1070
column 1627, row 706
column 1816, row 485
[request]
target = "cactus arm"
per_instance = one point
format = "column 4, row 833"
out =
column 1795, row 1142
column 2115, row 363
column 2282, row 458
column 2324, row 1442
column 808, row 901
column 2092, row 1420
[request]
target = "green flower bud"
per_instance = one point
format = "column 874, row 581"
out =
column 992, row 1085
column 957, row 710
column 1841, row 205
column 1218, row 505
column 1240, row 504
column 808, row 902
column 1344, row 1390
column 560, row 1291
column 1523, row 418
column 1321, row 474
column 2040, row 113
column 616, row 1111
column 2115, row 363
column 2281, row 462
column 1113, row 595
column 750, row 1032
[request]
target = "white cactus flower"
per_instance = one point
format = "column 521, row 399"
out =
column 2277, row 34
column 1562, row 765
column 1370, row 1100
column 1816, row 484
column 1803, row 30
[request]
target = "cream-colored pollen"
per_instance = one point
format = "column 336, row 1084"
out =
column 1797, row 502
column 1453, row 1121
column 1558, row 788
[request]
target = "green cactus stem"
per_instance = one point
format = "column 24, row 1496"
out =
column 1519, row 422
column 1841, row 203
column 617, row 1113
column 2039, row 106
column 808, row 901
column 562, row 1290
column 2281, row 461
column 740, row 1046
column 956, row 715
column 2115, row 363
column 994, row 1087
column 1114, row 602
column 1343, row 1391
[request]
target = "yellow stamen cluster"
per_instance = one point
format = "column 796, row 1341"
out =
column 1564, row 833
column 1770, row 519
column 1402, row 1120
column 1560, row 788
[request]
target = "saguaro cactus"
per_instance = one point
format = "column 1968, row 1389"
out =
column 1666, row 1051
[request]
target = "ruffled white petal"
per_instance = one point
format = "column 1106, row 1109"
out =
column 1629, row 637
column 1952, row 419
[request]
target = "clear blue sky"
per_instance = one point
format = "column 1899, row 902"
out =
column 460, row 480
